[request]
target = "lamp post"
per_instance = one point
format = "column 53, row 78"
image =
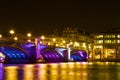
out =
column 0, row 35
column 15, row 38
column 29, row 36
column 54, row 41
column 42, row 37
column 12, row 32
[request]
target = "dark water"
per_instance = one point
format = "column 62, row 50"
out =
column 61, row 71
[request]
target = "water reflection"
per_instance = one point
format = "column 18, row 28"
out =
column 62, row 71
column 11, row 73
column 28, row 72
column 1, row 71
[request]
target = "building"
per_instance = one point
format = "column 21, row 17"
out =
column 106, row 45
column 71, row 36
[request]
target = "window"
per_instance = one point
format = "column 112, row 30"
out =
column 106, row 36
column 107, row 41
column 109, row 36
column 98, row 41
column 112, row 36
column 113, row 41
column 118, row 41
column 99, row 36
column 118, row 36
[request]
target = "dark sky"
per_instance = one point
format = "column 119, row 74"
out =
column 42, row 16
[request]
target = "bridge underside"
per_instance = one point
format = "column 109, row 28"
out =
column 14, row 55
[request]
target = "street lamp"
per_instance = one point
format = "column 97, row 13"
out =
column 29, row 34
column 15, row 38
column 42, row 37
column 54, row 41
column 64, row 41
column 0, row 35
column 12, row 31
column 49, row 43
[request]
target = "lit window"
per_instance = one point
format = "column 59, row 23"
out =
column 109, row 36
column 98, row 41
column 113, row 41
column 118, row 36
column 112, row 36
column 106, row 36
column 99, row 36
column 110, row 41
column 118, row 41
column 107, row 41
column 100, row 46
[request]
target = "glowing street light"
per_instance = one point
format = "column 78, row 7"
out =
column 49, row 43
column 11, row 31
column 54, row 39
column 29, row 40
column 15, row 38
column 64, row 41
column 0, row 35
column 29, row 34
column 42, row 37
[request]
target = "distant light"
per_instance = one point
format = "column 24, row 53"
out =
column 64, row 41
column 42, row 37
column 12, row 31
column 57, row 45
column 0, row 35
column 15, row 38
column 29, row 40
column 54, row 39
column 29, row 34
column 48, row 43
column 71, row 43
column 40, row 42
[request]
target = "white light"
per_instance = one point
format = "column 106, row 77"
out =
column 29, row 40
column 48, row 43
column 12, row 31
column 54, row 39
column 64, row 41
column 0, row 35
column 84, row 45
column 42, row 37
column 15, row 38
column 57, row 45
column 29, row 34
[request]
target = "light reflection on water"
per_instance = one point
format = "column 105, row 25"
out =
column 61, row 71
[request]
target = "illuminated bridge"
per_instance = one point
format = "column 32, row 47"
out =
column 14, row 55
column 27, row 54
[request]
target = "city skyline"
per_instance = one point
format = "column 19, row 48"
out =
column 42, row 17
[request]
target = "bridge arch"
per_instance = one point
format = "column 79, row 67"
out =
column 14, row 54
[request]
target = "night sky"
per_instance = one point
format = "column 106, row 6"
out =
column 42, row 16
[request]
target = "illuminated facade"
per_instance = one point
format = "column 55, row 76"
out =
column 54, row 41
column 106, row 45
column 70, row 36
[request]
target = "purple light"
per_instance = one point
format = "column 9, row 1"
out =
column 81, row 53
